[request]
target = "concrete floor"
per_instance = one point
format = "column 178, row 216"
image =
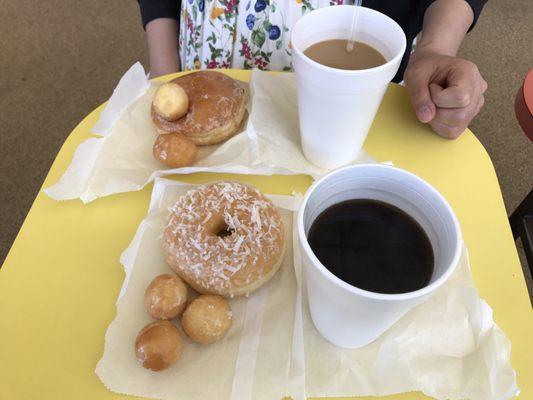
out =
column 60, row 59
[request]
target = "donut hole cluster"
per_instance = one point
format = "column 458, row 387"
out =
column 173, row 149
column 205, row 320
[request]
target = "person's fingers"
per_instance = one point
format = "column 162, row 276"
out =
column 434, row 91
column 450, row 123
column 447, row 131
column 459, row 116
column 480, row 105
column 484, row 85
column 463, row 87
column 478, row 108
column 417, row 82
column 455, row 116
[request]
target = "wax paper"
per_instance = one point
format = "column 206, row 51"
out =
column 256, row 359
column 448, row 347
column 121, row 159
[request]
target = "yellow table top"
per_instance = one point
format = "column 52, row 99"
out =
column 61, row 278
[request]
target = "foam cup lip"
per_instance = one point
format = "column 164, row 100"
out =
column 335, row 103
column 382, row 296
column 389, row 60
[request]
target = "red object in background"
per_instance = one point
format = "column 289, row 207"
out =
column 523, row 106
column 521, row 220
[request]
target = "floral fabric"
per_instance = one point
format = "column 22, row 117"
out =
column 240, row 33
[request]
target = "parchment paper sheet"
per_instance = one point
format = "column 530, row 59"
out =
column 121, row 159
column 255, row 360
column 448, row 347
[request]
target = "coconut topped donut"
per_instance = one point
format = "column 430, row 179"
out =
column 224, row 238
column 216, row 109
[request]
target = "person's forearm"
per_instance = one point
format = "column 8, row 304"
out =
column 446, row 23
column 162, row 37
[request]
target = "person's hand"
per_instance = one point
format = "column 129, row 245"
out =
column 446, row 92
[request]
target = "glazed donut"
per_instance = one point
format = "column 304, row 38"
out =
column 174, row 150
column 224, row 238
column 217, row 107
column 207, row 319
column 165, row 297
column 170, row 101
column 158, row 345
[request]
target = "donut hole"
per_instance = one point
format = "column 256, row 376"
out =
column 216, row 226
column 224, row 231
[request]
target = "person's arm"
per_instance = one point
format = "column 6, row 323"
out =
column 446, row 23
column 161, row 21
column 446, row 92
column 162, row 38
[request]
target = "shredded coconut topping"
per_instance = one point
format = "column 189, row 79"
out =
column 197, row 253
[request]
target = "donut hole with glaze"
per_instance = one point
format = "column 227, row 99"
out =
column 217, row 226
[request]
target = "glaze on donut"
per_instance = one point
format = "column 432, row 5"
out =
column 224, row 238
column 216, row 109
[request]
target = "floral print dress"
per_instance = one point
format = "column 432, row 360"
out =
column 241, row 34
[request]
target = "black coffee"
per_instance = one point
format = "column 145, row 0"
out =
column 373, row 245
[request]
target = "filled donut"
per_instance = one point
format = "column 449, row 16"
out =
column 216, row 108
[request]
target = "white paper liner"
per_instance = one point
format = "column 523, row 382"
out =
column 448, row 347
column 255, row 360
column 121, row 159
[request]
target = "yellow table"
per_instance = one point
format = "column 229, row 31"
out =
column 59, row 283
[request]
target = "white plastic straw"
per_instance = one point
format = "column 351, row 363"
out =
column 350, row 43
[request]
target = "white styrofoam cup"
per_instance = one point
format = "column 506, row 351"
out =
column 336, row 107
column 346, row 315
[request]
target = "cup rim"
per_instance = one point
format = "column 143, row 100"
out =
column 354, row 72
column 326, row 273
